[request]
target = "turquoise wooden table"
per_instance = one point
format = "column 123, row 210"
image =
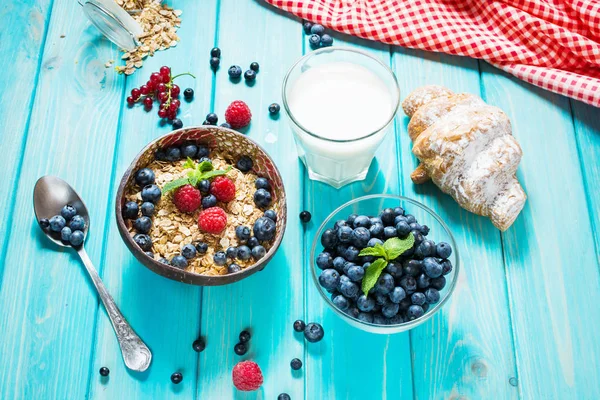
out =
column 522, row 323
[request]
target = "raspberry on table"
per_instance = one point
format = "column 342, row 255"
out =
column 223, row 189
column 212, row 220
column 187, row 198
column 247, row 376
column 238, row 114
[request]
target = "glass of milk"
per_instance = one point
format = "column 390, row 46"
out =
column 340, row 103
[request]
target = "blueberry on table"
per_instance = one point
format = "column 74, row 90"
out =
column 326, row 40
column 254, row 66
column 188, row 94
column 142, row 224
column 212, row 118
column 317, row 29
column 198, row 345
column 306, row 26
column 176, row 377
column 147, row 209
column 76, row 238
column 68, row 212
column 271, row 214
column 143, row 241
column 274, row 109
column 296, row 364
column 299, row 325
column 244, row 336
column 188, row 251
column 314, row 41
column 314, row 332
column 244, row 253
column 57, row 223
column 284, row 396
column 177, row 123
column 240, row 349
column 215, row 52
column 329, row 278
column 249, row 75
column 144, row 176
column 235, row 72
column 151, row 193
column 104, row 371
column 214, row 62
column 305, row 216
column 179, row 261
column 188, row 150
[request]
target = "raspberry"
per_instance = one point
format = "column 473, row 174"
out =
column 238, row 114
column 223, row 189
column 212, row 220
column 247, row 376
column 187, row 199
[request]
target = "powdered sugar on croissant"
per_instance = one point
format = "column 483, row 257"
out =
column 466, row 147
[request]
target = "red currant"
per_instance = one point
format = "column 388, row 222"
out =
column 155, row 78
column 175, row 101
column 173, row 108
column 164, row 70
column 148, row 102
column 135, row 93
column 175, row 91
column 161, row 87
column 162, row 113
column 163, row 96
column 130, row 100
column 144, row 89
column 150, row 86
column 165, row 78
column 171, row 114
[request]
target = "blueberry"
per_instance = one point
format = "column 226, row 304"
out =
column 214, row 62
column 244, row 253
column 425, row 249
column 188, row 251
column 423, row 281
column 442, row 249
column 379, row 319
column 389, row 232
column 339, row 224
column 143, row 224
column 362, row 221
column 209, row 201
column 151, row 193
column 326, row 40
column 306, row 26
column 299, row 325
column 365, row 303
column 360, row 237
column 68, row 212
column 271, row 215
column 394, row 269
column 418, row 298
column 375, row 220
column 397, row 295
column 339, row 263
column 242, row 233
column 198, row 345
column 143, row 241
column 149, row 254
column 160, row 155
column 432, row 295
column 104, row 371
column 385, row 283
column 410, row 219
column 212, row 118
column 418, row 239
column 215, row 52
column 177, row 123
column 262, row 198
column 381, row 299
column 387, row 217
column 425, row 307
column 274, row 109
column 329, row 278
column 201, row 247
column 264, row 229
column 231, row 252
column 353, row 312
column 317, row 29
column 147, row 209
column 424, row 230
column 163, row 260
column 329, row 239
column 404, row 304
column 347, row 266
column 65, row 234
column 220, row 258
column 432, row 267
column 389, row 310
column 365, row 317
column 188, row 93
column 249, row 75
column 314, row 41
column 348, row 288
column 414, row 312
column 446, row 267
column 44, row 223
column 356, row 273
column 233, row 268
column 305, row 216
column 176, row 377
column 253, row 242
column 395, row 320
column 341, row 302
column 234, row 72
column 351, row 253
column 244, row 164
column 258, row 252
column 314, row 332
column 374, row 241
column 240, row 349
column 57, row 223
column 376, row 230
column 438, row 283
column 415, row 227
column 244, row 336
column 254, row 66
column 344, row 234
column 412, row 267
column 402, row 228
column 179, row 261
column 398, row 211
column 203, row 151
column 324, row 260
column 188, row 150
column 408, row 283
column 262, row 183
column 226, row 125
column 77, row 223
column 173, row 154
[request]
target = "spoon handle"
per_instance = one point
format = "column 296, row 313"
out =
column 136, row 354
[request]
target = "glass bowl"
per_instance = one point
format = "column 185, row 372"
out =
column 371, row 206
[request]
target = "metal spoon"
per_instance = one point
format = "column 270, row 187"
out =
column 49, row 196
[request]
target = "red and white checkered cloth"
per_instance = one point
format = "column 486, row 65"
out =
column 554, row 44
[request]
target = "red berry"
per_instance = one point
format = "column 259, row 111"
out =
column 162, row 113
column 247, row 376
column 150, row 85
column 135, row 93
column 148, row 102
column 175, row 91
column 165, row 78
column 161, row 87
column 163, row 96
column 155, row 78
column 173, row 107
column 223, row 188
column 171, row 115
column 238, row 114
column 130, row 100
column 164, row 70
column 144, row 89
column 212, row 220
column 175, row 101
column 187, row 199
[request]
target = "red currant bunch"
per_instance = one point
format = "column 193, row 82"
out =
column 160, row 88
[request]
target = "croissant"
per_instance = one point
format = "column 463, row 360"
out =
column 466, row 147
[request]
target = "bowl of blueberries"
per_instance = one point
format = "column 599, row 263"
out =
column 384, row 263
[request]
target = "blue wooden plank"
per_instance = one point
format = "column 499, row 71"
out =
column 268, row 302
column 350, row 363
column 549, row 251
column 20, row 57
column 165, row 313
column 445, row 363
column 47, row 305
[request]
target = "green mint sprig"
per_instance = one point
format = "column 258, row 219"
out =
column 389, row 251
column 199, row 172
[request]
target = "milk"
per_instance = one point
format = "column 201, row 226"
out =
column 339, row 101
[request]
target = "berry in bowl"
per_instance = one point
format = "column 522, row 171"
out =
column 384, row 263
column 202, row 205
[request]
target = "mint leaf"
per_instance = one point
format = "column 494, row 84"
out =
column 377, row 251
column 177, row 183
column 189, row 163
column 212, row 174
column 394, row 247
column 372, row 274
column 205, row 166
column 193, row 180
